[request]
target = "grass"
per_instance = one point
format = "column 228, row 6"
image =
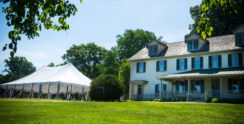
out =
column 58, row 111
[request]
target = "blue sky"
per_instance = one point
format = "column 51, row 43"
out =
column 100, row 21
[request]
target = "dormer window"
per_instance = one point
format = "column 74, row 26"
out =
column 239, row 39
column 153, row 49
column 192, row 45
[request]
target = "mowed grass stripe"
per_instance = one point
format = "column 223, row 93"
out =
column 58, row 111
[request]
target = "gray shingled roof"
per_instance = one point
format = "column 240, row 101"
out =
column 205, row 73
column 219, row 43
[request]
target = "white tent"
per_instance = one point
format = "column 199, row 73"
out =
column 52, row 80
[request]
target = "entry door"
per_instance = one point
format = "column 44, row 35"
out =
column 139, row 92
column 215, row 88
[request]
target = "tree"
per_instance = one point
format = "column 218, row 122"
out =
column 87, row 58
column 27, row 17
column 217, row 17
column 124, row 76
column 51, row 64
column 18, row 67
column 110, row 63
column 105, row 88
column 132, row 41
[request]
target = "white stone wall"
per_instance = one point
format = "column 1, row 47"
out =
column 151, row 74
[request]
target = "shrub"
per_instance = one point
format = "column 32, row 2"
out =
column 156, row 100
column 105, row 88
column 208, row 99
column 183, row 98
column 215, row 100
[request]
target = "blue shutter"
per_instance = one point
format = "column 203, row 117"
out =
column 137, row 67
column 185, row 62
column 192, row 63
column 210, row 61
column 230, row 60
column 177, row 86
column 144, row 65
column 157, row 66
column 240, row 59
column 219, row 61
column 186, row 85
column 202, row 86
column 165, row 65
column 201, row 62
column 177, row 64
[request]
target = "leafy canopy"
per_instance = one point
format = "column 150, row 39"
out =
column 86, row 57
column 17, row 67
column 27, row 17
column 217, row 17
column 132, row 41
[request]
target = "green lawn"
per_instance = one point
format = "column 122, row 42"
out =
column 53, row 111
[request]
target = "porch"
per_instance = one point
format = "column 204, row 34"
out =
column 197, row 85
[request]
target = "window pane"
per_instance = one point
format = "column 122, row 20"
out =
column 182, row 64
column 235, row 60
column 181, row 88
column 141, row 66
column 161, row 66
column 195, row 44
column 215, row 63
column 155, row 49
column 197, row 63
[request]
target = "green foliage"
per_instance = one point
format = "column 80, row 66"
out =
column 105, row 88
column 215, row 100
column 86, row 57
column 207, row 99
column 110, row 63
column 217, row 17
column 17, row 67
column 124, row 76
column 132, row 41
column 51, row 64
column 28, row 17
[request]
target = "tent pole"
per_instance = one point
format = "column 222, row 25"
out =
column 83, row 93
column 70, row 90
column 40, row 91
column 48, row 94
column 32, row 90
column 58, row 87
column 5, row 91
column 67, row 89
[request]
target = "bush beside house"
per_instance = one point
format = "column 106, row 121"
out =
column 105, row 88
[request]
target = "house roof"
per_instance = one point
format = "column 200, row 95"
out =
column 219, row 43
column 205, row 73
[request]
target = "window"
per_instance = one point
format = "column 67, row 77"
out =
column 153, row 49
column 161, row 65
column 236, row 86
column 181, row 86
column 197, row 86
column 156, row 88
column 141, row 67
column 235, row 60
column 192, row 45
column 197, row 63
column 215, row 61
column 181, row 64
column 239, row 39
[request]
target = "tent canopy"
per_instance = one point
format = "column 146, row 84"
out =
column 68, row 76
column 65, row 74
